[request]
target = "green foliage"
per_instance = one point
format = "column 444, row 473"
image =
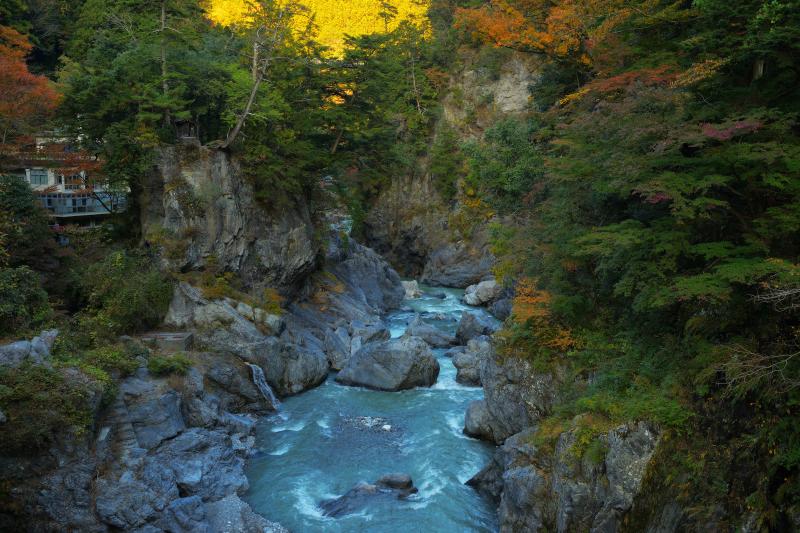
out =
column 446, row 163
column 505, row 165
column 125, row 294
column 41, row 403
column 25, row 238
column 23, row 302
column 163, row 365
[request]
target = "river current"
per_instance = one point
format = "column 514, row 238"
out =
column 326, row 440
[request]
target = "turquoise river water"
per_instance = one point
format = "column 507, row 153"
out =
column 326, row 440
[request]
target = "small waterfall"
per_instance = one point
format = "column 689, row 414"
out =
column 261, row 384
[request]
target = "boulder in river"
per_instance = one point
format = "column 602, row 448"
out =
column 430, row 334
column 482, row 293
column 412, row 289
column 474, row 325
column 391, row 365
column 388, row 487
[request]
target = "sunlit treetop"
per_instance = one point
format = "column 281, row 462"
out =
column 335, row 18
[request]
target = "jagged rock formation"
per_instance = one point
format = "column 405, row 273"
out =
column 197, row 205
column 542, row 488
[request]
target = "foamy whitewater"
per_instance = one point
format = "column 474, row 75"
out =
column 326, row 440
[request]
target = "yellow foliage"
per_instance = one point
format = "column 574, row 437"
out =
column 335, row 18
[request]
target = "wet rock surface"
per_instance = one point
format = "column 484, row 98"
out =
column 390, row 486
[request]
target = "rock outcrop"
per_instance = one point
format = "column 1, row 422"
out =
column 482, row 293
column 516, row 398
column 392, row 365
column 412, row 289
column 35, row 351
column 198, row 207
column 473, row 324
column 567, row 490
column 469, row 361
column 457, row 265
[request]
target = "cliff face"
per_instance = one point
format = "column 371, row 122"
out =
column 409, row 223
column 584, row 476
column 198, row 207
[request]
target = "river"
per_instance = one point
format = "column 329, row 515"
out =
column 326, row 440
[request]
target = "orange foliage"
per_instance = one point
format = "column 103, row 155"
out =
column 567, row 29
column 531, row 306
column 25, row 98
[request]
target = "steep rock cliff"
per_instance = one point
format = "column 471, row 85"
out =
column 198, row 208
column 409, row 223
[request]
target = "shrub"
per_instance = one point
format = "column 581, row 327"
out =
column 126, row 293
column 39, row 403
column 160, row 365
column 24, row 234
column 23, row 302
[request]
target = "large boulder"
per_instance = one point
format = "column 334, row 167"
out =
column 430, row 334
column 391, row 365
column 474, row 325
column 388, row 487
column 412, row 289
column 482, row 293
column 291, row 369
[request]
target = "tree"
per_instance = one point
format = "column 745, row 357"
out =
column 269, row 26
column 26, row 99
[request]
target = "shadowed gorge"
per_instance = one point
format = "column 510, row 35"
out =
column 458, row 265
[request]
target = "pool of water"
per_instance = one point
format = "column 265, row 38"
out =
column 326, row 440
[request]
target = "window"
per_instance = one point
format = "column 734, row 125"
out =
column 38, row 176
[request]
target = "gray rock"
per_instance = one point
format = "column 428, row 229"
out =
column 478, row 421
column 430, row 334
column 456, row 265
column 232, row 515
column 559, row 492
column 392, row 365
column 482, row 293
column 389, row 487
column 369, row 332
column 474, row 325
column 291, row 369
column 337, row 347
column 184, row 515
column 516, row 396
column 501, row 308
column 468, row 362
column 35, row 351
column 411, row 289
column 155, row 416
column 224, row 219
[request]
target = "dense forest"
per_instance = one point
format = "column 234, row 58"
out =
column 645, row 208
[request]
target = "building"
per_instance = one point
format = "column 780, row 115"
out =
column 66, row 180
